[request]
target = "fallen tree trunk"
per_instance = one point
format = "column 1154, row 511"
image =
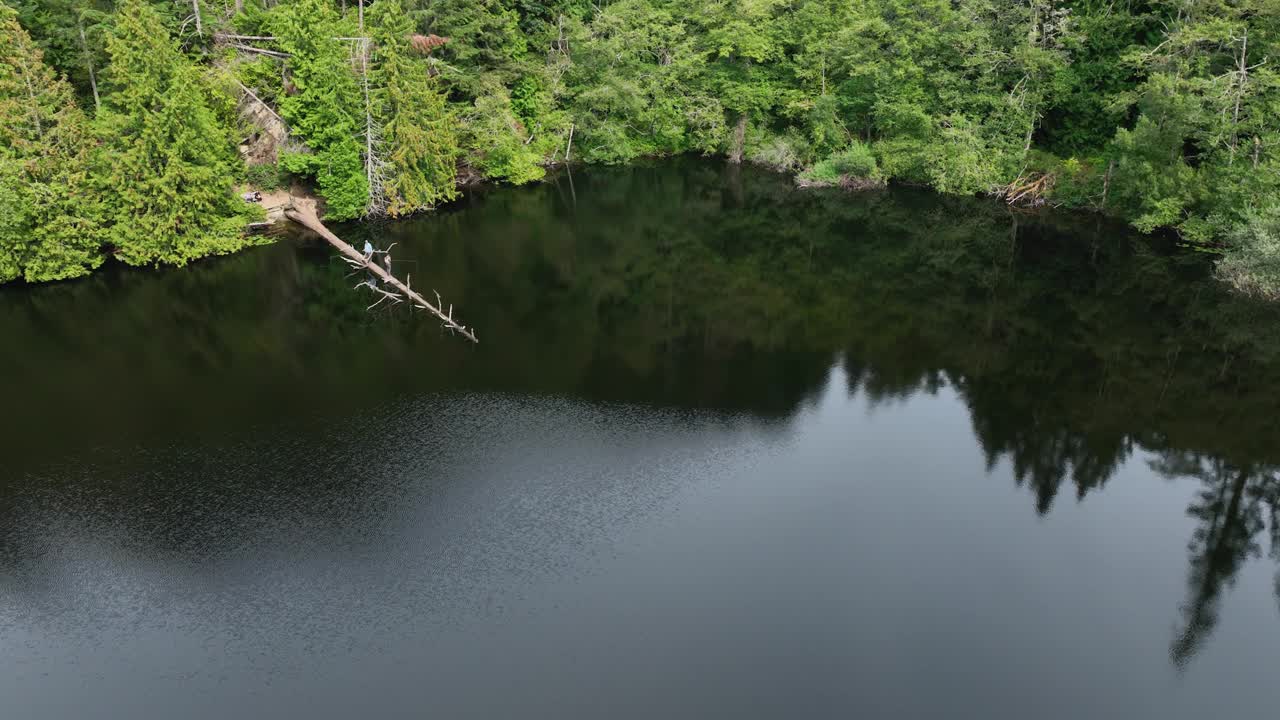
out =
column 307, row 218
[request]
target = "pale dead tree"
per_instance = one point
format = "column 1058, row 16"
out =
column 385, row 295
column 375, row 168
column 195, row 10
column 260, row 51
column 558, row 59
column 305, row 215
column 27, row 71
column 1240, row 81
column 88, row 61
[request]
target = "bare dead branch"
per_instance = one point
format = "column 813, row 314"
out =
column 306, row 217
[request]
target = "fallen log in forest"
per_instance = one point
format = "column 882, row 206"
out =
column 307, row 218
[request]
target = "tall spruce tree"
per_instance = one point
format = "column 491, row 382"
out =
column 419, row 143
column 166, row 164
column 49, row 229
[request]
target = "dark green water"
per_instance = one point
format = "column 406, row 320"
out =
column 727, row 449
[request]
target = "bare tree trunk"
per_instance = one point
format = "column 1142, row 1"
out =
column 1106, row 183
column 195, row 8
column 372, row 165
column 306, row 217
column 35, row 107
column 360, row 4
column 1244, row 78
column 88, row 61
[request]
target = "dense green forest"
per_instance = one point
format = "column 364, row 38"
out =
column 120, row 119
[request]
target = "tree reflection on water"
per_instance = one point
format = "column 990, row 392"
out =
column 1072, row 343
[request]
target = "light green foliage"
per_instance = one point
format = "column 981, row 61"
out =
column 855, row 161
column 1253, row 263
column 325, row 106
column 1153, row 182
column 50, row 226
column 633, row 86
column 165, row 164
column 1077, row 182
column 13, row 209
column 1206, row 111
column 496, row 141
column 1166, row 114
column 417, row 127
column 785, row 153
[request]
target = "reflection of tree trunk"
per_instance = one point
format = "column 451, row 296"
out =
column 1218, row 563
column 1168, row 378
column 735, row 185
column 739, row 141
column 1220, row 539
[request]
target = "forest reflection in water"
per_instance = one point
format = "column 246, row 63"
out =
column 687, row 284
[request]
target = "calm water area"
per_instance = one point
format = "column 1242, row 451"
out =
column 726, row 449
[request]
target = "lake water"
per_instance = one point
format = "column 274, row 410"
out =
column 726, row 449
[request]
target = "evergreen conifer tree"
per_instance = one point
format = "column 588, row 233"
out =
column 418, row 136
column 165, row 168
column 48, row 215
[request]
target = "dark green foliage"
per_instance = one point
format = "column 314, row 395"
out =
column 496, row 142
column 71, row 33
